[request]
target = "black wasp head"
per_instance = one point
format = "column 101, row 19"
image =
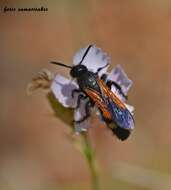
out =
column 78, row 70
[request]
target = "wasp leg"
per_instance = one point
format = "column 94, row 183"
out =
column 80, row 97
column 104, row 77
column 109, row 83
column 87, row 110
column 99, row 69
column 75, row 91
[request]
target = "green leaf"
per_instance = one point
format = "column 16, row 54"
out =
column 65, row 114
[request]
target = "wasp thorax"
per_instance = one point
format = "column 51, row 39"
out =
column 78, row 70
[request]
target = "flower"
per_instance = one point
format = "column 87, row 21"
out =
column 62, row 87
column 42, row 80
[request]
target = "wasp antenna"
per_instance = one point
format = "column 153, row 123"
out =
column 60, row 64
column 86, row 52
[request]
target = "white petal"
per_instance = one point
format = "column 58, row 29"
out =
column 83, row 126
column 94, row 59
column 62, row 89
column 130, row 108
column 79, row 114
column 119, row 76
column 117, row 93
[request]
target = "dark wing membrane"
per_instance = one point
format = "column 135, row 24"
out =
column 119, row 113
column 122, row 117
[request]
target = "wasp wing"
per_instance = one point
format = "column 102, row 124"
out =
column 118, row 110
column 113, row 110
column 106, row 109
column 99, row 102
column 122, row 117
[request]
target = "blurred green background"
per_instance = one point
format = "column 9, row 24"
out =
column 35, row 152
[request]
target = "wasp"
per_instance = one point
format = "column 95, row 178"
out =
column 98, row 92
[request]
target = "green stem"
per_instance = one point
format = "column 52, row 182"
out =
column 90, row 156
column 86, row 146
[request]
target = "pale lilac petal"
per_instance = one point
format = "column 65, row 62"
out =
column 94, row 59
column 83, row 126
column 62, row 89
column 130, row 108
column 119, row 76
column 79, row 114
column 116, row 91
